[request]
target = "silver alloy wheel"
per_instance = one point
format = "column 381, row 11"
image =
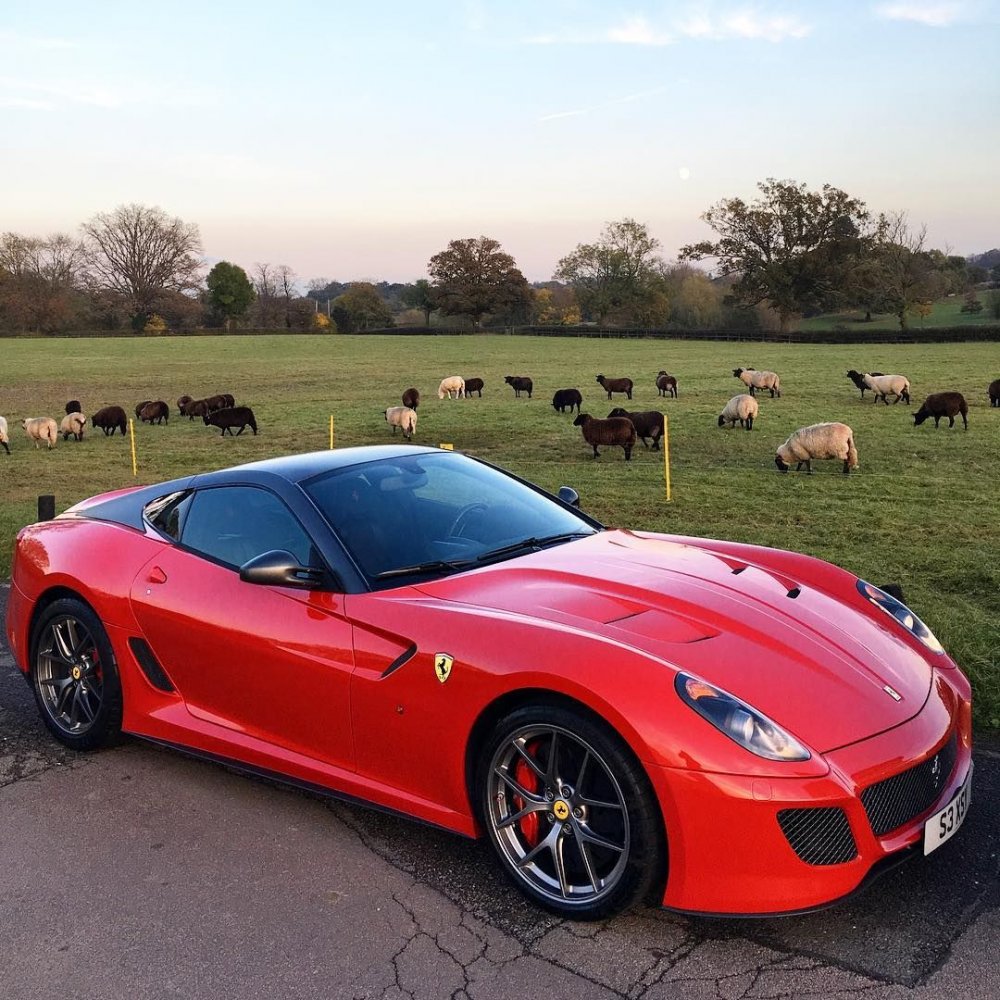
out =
column 558, row 814
column 69, row 676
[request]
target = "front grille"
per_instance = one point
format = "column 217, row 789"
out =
column 819, row 836
column 896, row 800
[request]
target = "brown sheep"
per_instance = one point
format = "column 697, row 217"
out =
column 618, row 431
column 994, row 392
column 942, row 404
column 647, row 423
column 411, row 398
column 110, row 419
column 140, row 406
column 198, row 408
column 616, row 385
column 155, row 412
column 182, row 402
column 473, row 385
column 229, row 417
column 519, row 383
column 666, row 384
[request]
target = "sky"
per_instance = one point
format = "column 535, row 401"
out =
column 353, row 140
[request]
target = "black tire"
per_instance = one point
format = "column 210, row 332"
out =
column 580, row 835
column 74, row 676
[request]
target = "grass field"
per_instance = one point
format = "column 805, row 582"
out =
column 946, row 312
column 923, row 509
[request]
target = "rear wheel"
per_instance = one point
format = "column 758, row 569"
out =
column 570, row 813
column 74, row 676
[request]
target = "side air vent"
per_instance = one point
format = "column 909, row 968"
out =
column 149, row 664
column 820, row 835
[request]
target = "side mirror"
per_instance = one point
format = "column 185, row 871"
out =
column 568, row 495
column 279, row 568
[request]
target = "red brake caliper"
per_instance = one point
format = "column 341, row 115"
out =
column 528, row 780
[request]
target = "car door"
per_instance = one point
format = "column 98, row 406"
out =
column 272, row 662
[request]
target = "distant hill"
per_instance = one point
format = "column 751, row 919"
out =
column 989, row 260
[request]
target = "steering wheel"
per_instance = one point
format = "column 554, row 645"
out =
column 461, row 520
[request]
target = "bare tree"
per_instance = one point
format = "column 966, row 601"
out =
column 39, row 281
column 265, row 282
column 139, row 252
column 286, row 278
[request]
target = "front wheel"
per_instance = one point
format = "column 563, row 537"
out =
column 570, row 813
column 74, row 676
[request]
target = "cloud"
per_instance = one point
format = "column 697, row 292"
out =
column 933, row 15
column 13, row 40
column 61, row 92
column 627, row 99
column 638, row 31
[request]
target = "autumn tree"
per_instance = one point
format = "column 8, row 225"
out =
column 617, row 274
column 420, row 295
column 361, row 308
column 230, row 293
column 139, row 252
column 268, row 305
column 791, row 248
column 40, row 281
column 473, row 277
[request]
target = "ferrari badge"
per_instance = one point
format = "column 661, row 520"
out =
column 442, row 666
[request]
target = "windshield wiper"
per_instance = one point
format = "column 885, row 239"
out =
column 433, row 566
column 531, row 544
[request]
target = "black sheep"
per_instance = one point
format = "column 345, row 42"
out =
column 519, row 383
column 567, row 398
column 473, row 385
column 110, row 419
column 859, row 380
column 942, row 404
column 232, row 416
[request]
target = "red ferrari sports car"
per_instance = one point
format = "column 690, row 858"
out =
column 722, row 727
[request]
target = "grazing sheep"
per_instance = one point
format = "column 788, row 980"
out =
column 647, row 423
column 411, row 398
column 182, row 402
column 4, row 436
column 616, row 385
column 110, row 418
column 742, row 408
column 139, row 407
column 72, row 424
column 228, row 399
column 994, row 392
column 888, row 385
column 567, row 397
column 156, row 411
column 942, row 404
column 229, row 417
column 755, row 380
column 197, row 408
column 473, row 385
column 41, row 429
column 818, row 441
column 402, row 416
column 218, row 402
column 74, row 406
column 859, row 380
column 666, row 384
column 613, row 431
column 519, row 383
column 452, row 384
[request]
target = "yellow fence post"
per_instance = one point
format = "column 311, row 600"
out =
column 131, row 434
column 331, row 431
column 444, row 445
column 666, row 453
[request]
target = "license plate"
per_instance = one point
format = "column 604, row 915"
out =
column 944, row 824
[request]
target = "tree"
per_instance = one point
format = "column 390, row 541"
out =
column 695, row 300
column 791, row 248
column 420, row 295
column 616, row 273
column 139, row 252
column 268, row 305
column 361, row 308
column 473, row 277
column 230, row 293
column 40, row 282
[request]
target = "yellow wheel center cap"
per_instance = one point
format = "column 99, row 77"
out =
column 76, row 673
column 561, row 810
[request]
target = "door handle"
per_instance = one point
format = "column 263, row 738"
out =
column 156, row 575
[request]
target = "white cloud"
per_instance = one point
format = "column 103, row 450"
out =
column 747, row 24
column 627, row 99
column 638, row 31
column 933, row 15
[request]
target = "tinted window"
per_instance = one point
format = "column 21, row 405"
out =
column 402, row 512
column 167, row 513
column 232, row 524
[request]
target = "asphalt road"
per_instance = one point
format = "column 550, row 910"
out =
column 139, row 873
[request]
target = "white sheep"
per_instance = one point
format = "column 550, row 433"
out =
column 888, row 385
column 755, row 380
column 452, row 384
column 41, row 429
column 818, row 441
column 4, row 438
column 72, row 423
column 402, row 416
column 742, row 408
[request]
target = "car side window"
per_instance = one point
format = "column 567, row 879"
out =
column 167, row 514
column 233, row 524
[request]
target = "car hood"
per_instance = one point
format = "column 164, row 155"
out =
column 815, row 664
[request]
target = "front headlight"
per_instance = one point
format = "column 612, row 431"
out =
column 740, row 722
column 902, row 614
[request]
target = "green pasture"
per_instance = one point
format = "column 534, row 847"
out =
column 946, row 312
column 922, row 510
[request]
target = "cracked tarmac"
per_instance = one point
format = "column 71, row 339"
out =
column 139, row 873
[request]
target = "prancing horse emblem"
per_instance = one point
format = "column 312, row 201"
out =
column 442, row 666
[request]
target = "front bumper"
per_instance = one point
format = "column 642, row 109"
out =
column 727, row 853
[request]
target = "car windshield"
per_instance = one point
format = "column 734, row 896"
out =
column 427, row 515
